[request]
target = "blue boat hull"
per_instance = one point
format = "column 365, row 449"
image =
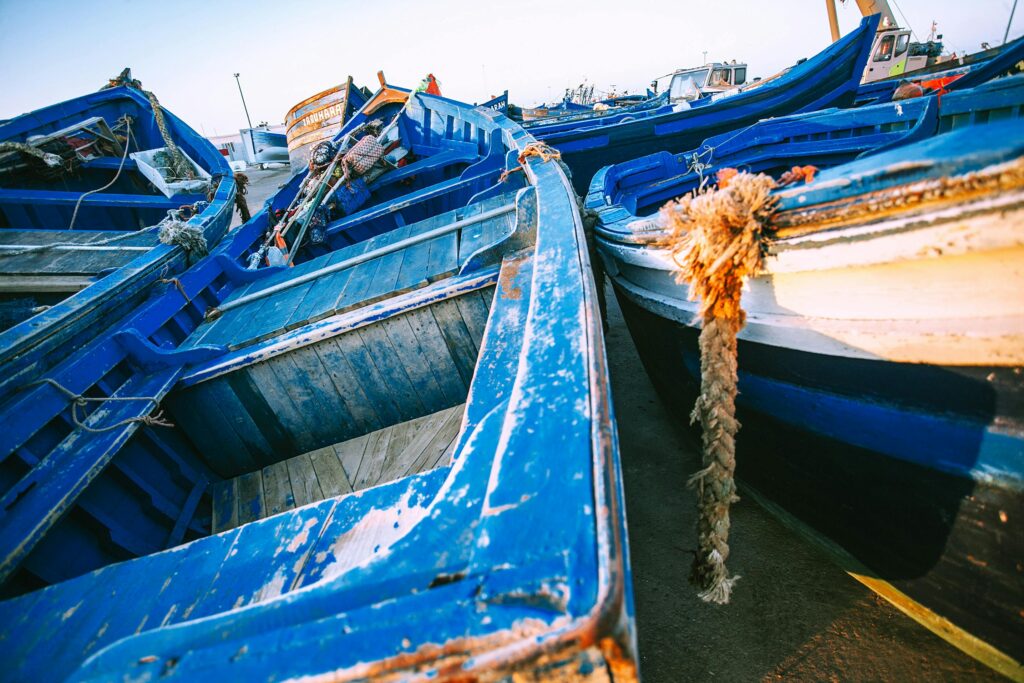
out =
column 829, row 79
column 395, row 459
column 805, row 444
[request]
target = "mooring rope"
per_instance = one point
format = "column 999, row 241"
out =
column 716, row 240
column 79, row 402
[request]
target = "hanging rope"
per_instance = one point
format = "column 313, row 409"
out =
column 242, row 181
column 180, row 166
column 124, row 156
column 716, row 239
column 79, row 402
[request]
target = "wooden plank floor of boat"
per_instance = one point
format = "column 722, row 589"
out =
column 375, row 458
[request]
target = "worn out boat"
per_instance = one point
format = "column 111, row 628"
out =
column 92, row 215
column 829, row 79
column 395, row 459
column 319, row 117
column 880, row 366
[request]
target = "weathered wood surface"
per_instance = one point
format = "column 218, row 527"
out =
column 415, row 362
column 382, row 456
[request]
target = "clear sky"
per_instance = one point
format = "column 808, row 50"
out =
column 186, row 51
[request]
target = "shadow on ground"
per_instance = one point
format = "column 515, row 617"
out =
column 793, row 615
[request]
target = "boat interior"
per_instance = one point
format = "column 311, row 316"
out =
column 92, row 206
column 373, row 354
column 299, row 410
column 822, row 139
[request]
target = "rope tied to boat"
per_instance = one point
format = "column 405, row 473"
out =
column 179, row 165
column 175, row 230
column 242, row 182
column 716, row 238
column 533, row 149
column 79, row 402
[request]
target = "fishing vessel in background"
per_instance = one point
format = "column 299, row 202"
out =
column 879, row 368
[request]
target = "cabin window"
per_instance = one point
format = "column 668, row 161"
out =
column 884, row 52
column 739, row 76
column 902, row 43
column 687, row 86
column 720, row 77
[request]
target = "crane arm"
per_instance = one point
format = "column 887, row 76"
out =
column 869, row 7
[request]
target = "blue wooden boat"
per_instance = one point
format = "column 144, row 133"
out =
column 81, row 241
column 658, row 104
column 879, row 370
column 394, row 459
column 829, row 79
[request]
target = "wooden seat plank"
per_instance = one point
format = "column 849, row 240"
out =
column 251, row 505
column 330, row 472
column 305, row 486
column 225, row 505
column 277, row 488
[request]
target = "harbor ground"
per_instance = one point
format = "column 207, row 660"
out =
column 794, row 614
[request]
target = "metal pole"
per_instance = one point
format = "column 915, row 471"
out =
column 251, row 140
column 1012, row 10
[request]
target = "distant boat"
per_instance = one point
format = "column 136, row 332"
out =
column 395, row 459
column 686, row 85
column 554, row 111
column 80, row 240
column 829, row 79
column 1003, row 61
column 317, row 118
column 879, row 369
column 262, row 145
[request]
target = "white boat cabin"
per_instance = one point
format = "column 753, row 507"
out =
column 689, row 84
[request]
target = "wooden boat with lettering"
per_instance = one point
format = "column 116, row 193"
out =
column 394, row 459
column 317, row 118
column 880, row 366
column 85, row 198
column 829, row 79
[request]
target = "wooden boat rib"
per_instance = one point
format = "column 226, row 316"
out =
column 829, row 79
column 440, row 408
column 78, row 278
column 879, row 368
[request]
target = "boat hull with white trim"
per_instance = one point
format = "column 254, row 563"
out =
column 880, row 385
column 394, row 459
column 73, row 258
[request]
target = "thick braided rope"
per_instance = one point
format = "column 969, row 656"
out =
column 51, row 160
column 715, row 239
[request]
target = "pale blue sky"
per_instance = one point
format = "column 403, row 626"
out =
column 187, row 51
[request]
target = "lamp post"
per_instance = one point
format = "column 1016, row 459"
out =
column 252, row 141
